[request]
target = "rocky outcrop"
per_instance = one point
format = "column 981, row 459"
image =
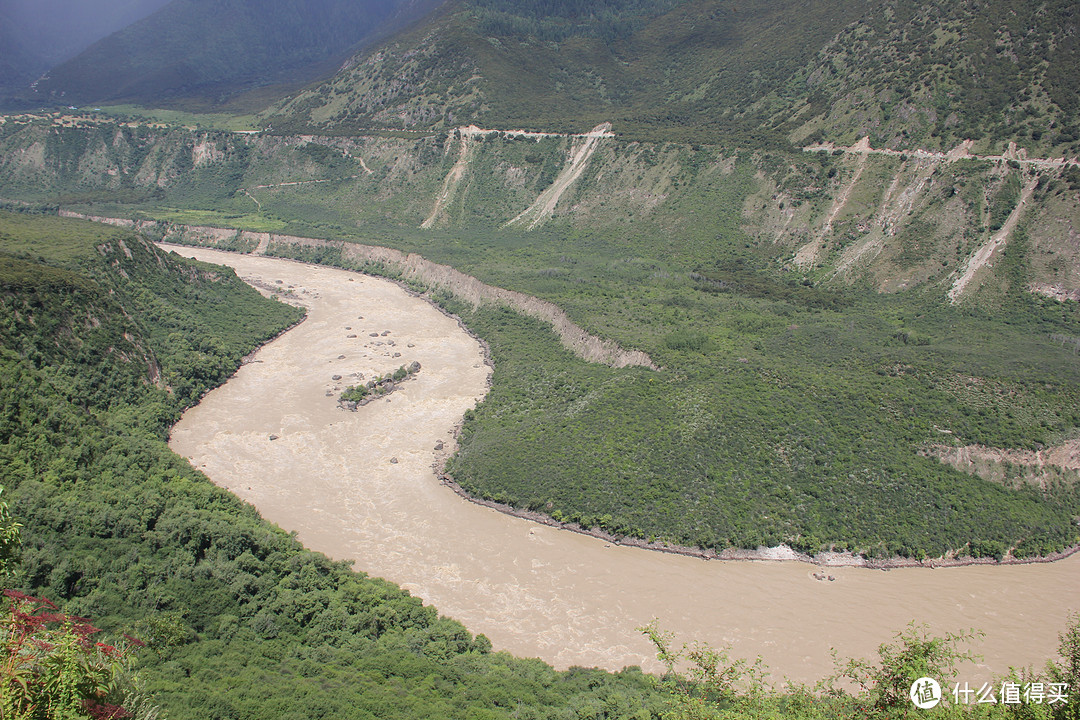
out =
column 894, row 219
column 1035, row 467
column 358, row 396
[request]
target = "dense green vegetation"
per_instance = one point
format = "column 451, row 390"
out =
column 240, row 620
column 794, row 405
column 927, row 74
column 804, row 433
column 786, row 400
column 785, row 412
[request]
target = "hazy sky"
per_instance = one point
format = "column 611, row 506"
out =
column 55, row 30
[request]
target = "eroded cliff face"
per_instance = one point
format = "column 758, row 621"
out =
column 836, row 215
column 900, row 220
column 406, row 266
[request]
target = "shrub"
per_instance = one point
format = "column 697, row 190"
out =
column 52, row 668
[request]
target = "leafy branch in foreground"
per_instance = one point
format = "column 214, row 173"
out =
column 1067, row 671
column 714, row 681
column 914, row 654
column 715, row 686
column 10, row 540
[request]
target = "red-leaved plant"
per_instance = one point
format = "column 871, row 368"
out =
column 51, row 666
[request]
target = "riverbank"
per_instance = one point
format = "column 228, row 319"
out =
column 780, row 553
column 411, row 270
column 408, row 266
column 535, row 590
column 761, row 554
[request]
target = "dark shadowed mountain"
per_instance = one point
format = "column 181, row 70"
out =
column 37, row 34
column 212, row 49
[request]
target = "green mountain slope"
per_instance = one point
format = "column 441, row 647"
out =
column 910, row 75
column 513, row 66
column 811, row 291
column 210, row 51
column 97, row 326
column 866, row 309
column 931, row 74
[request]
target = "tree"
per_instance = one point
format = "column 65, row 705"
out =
column 712, row 682
column 915, row 654
column 1067, row 671
column 10, row 540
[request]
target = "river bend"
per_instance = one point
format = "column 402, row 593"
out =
column 362, row 486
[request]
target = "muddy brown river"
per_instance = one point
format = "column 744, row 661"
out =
column 361, row 486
